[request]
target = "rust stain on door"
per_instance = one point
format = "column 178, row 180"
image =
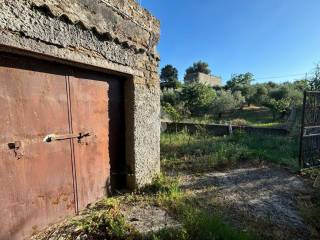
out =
column 54, row 142
column 89, row 105
column 32, row 103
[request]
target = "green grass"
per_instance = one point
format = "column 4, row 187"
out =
column 251, row 116
column 201, row 219
column 310, row 211
column 199, row 225
column 99, row 221
column 196, row 223
column 310, row 208
column 202, row 226
column 103, row 221
column 197, row 153
column 275, row 124
column 203, row 152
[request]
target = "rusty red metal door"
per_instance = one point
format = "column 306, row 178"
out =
column 89, row 104
column 36, row 181
column 55, row 142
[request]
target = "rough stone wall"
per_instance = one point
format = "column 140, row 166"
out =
column 209, row 79
column 147, row 145
column 112, row 35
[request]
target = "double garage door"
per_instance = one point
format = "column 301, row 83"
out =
column 54, row 141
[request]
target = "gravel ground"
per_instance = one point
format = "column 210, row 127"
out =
column 260, row 196
column 147, row 218
column 263, row 199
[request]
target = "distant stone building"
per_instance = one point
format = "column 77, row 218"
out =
column 213, row 81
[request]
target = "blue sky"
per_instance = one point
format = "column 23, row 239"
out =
column 270, row 38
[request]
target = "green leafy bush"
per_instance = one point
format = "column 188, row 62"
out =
column 239, row 122
column 197, row 98
column 226, row 101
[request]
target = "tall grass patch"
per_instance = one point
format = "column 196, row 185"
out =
column 200, row 151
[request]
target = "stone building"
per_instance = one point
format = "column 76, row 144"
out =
column 213, row 81
column 79, row 96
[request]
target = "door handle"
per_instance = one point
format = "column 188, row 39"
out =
column 54, row 137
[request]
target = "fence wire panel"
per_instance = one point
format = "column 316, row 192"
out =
column 310, row 130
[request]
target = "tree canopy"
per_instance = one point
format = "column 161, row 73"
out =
column 242, row 83
column 169, row 77
column 226, row 101
column 197, row 98
column 200, row 100
column 238, row 81
column 283, row 98
column 315, row 79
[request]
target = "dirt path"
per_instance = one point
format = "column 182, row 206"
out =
column 259, row 197
column 262, row 199
column 147, row 218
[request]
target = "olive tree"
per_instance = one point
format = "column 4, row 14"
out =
column 197, row 98
column 242, row 83
column 226, row 101
column 283, row 99
column 260, row 94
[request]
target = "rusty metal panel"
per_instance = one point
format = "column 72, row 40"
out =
column 36, row 183
column 59, row 134
column 89, row 104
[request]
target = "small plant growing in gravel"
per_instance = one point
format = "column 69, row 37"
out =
column 102, row 221
column 164, row 185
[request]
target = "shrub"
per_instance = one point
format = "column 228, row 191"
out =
column 172, row 112
column 170, row 96
column 198, row 98
column 103, row 221
column 162, row 184
column 225, row 102
column 282, row 99
column 239, row 122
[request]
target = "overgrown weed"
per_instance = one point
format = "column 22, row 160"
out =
column 196, row 223
column 200, row 152
column 103, row 221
